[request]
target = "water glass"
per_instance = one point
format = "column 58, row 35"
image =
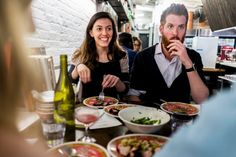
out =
column 54, row 133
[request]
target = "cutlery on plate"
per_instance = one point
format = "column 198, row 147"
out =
column 163, row 101
column 101, row 95
column 68, row 151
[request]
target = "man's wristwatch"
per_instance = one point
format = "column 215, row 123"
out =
column 191, row 69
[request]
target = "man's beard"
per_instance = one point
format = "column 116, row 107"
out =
column 166, row 41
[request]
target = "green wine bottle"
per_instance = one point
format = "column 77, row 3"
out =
column 64, row 99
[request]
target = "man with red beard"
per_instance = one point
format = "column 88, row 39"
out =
column 168, row 70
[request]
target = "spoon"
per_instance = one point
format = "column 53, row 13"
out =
column 68, row 151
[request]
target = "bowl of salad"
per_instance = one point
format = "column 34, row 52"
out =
column 141, row 119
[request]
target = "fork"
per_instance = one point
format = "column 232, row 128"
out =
column 101, row 95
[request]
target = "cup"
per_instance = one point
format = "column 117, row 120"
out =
column 53, row 131
column 45, row 105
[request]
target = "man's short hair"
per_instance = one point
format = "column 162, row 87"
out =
column 175, row 9
column 125, row 39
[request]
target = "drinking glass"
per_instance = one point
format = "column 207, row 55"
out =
column 87, row 116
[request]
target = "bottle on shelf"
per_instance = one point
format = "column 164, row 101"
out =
column 64, row 99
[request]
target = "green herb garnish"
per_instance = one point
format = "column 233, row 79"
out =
column 146, row 121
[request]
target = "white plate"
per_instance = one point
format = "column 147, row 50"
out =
column 112, row 146
column 84, row 149
column 193, row 109
column 117, row 107
column 93, row 101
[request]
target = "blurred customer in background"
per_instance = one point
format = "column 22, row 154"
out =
column 99, row 62
column 15, row 76
column 126, row 41
column 211, row 134
column 169, row 70
column 137, row 44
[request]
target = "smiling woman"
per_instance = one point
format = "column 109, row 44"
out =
column 100, row 63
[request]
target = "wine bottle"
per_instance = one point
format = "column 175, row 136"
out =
column 64, row 99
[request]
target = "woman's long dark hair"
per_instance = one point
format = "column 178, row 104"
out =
column 87, row 53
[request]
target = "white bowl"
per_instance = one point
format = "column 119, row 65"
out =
column 130, row 113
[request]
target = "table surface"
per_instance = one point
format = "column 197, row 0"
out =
column 229, row 78
column 229, row 63
column 102, row 136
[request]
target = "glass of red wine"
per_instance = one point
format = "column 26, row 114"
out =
column 87, row 116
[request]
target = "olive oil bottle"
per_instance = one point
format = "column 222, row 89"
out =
column 64, row 99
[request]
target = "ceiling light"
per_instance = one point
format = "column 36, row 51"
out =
column 144, row 8
column 139, row 15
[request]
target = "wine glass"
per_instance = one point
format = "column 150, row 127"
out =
column 87, row 116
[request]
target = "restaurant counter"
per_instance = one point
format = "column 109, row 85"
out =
column 228, row 63
column 228, row 66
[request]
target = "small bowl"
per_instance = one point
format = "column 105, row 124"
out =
column 131, row 113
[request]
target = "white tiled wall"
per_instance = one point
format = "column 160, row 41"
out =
column 60, row 25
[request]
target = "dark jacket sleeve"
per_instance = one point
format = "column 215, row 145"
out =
column 197, row 61
column 138, row 72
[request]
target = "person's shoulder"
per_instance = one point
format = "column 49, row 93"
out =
column 147, row 51
column 130, row 51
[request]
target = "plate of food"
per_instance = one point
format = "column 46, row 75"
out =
column 80, row 149
column 98, row 103
column 142, row 145
column 180, row 108
column 113, row 110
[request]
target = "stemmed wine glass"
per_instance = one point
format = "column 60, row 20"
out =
column 87, row 116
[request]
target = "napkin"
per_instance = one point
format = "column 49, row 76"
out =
column 105, row 121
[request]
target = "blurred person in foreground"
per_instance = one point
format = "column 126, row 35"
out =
column 211, row 135
column 137, row 44
column 15, row 76
column 100, row 63
column 126, row 41
column 169, row 70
